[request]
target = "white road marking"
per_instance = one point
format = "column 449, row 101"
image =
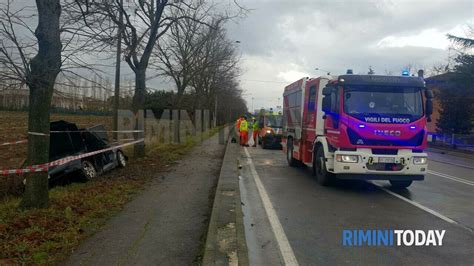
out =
column 461, row 180
column 456, row 164
column 283, row 243
column 426, row 209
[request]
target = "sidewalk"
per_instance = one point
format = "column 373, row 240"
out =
column 167, row 223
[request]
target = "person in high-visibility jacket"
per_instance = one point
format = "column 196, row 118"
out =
column 238, row 123
column 237, row 127
column 254, row 131
column 244, row 132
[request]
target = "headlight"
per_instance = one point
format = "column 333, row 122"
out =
column 347, row 158
column 269, row 131
column 420, row 160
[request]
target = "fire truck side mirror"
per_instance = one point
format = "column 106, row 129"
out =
column 429, row 94
column 326, row 106
column 327, row 90
column 429, row 108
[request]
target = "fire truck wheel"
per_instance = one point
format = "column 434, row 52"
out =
column 400, row 183
column 319, row 169
column 289, row 154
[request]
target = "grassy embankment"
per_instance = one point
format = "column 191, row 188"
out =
column 78, row 210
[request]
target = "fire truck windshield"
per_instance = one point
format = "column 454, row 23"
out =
column 275, row 121
column 365, row 102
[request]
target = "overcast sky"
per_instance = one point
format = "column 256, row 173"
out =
column 284, row 40
column 281, row 41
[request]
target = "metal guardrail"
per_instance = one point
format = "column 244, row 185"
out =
column 455, row 141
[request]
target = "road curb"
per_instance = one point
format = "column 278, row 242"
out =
column 225, row 242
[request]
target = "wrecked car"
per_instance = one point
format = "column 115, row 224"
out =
column 66, row 139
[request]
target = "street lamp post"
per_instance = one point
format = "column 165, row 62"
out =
column 252, row 104
column 215, row 112
column 320, row 69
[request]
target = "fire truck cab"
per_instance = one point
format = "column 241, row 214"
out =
column 367, row 127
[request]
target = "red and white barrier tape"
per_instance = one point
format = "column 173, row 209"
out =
column 124, row 139
column 99, row 131
column 37, row 134
column 43, row 134
column 44, row 167
column 94, row 131
column 14, row 142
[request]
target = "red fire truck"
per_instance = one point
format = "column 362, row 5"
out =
column 368, row 127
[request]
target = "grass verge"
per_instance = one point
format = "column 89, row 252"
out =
column 48, row 236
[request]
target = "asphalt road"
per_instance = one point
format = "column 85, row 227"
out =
column 290, row 219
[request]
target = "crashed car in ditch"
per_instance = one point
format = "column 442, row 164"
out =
column 66, row 139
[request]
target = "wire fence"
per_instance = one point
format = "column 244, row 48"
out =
column 456, row 141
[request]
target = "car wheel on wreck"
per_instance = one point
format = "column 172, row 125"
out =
column 121, row 159
column 88, row 170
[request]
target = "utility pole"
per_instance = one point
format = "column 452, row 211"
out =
column 117, row 73
column 215, row 112
column 74, row 98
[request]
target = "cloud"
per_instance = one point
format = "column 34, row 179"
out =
column 291, row 75
column 286, row 40
column 432, row 37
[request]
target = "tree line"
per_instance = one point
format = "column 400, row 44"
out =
column 184, row 42
column 457, row 101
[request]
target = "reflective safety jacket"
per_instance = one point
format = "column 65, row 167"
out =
column 255, row 126
column 238, row 123
column 244, row 125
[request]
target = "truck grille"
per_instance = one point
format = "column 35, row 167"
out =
column 384, row 151
column 356, row 139
column 385, row 166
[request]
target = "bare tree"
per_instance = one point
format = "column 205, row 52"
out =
column 218, row 67
column 195, row 57
column 464, row 42
column 371, row 71
column 35, row 57
column 39, row 73
column 178, row 53
column 144, row 23
column 438, row 69
column 388, row 72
